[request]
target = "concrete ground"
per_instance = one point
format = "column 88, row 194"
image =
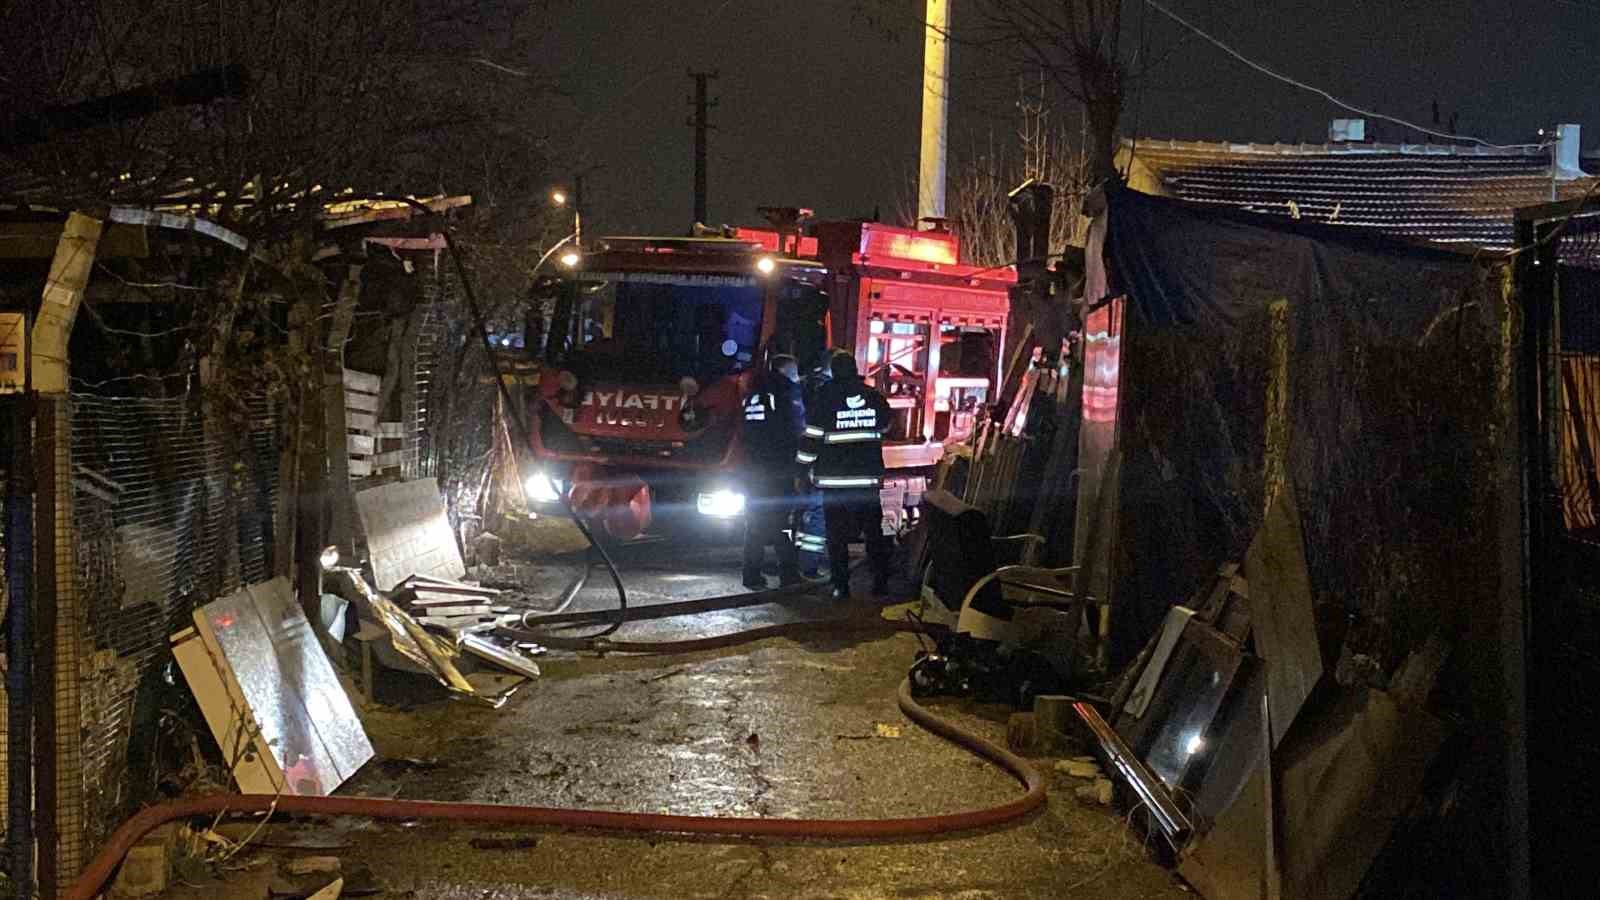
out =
column 775, row 728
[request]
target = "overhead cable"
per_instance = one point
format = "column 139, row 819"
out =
column 1324, row 94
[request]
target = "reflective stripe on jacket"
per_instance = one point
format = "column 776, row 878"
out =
column 843, row 437
column 774, row 418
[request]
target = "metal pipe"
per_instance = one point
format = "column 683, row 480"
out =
column 99, row 871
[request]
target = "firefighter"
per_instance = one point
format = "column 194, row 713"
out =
column 810, row 537
column 774, row 419
column 843, row 446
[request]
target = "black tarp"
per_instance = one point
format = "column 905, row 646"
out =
column 1580, row 310
column 1395, row 426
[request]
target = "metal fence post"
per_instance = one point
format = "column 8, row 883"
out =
column 19, row 649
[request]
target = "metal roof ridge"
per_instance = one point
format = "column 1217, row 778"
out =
column 1281, row 148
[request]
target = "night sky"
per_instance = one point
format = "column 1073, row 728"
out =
column 822, row 111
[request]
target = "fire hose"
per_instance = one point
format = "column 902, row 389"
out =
column 94, row 877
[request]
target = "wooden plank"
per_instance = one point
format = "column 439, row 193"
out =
column 389, row 458
column 362, row 381
column 432, row 583
column 360, row 468
column 359, row 444
column 340, row 215
column 422, row 597
column 1281, row 611
column 396, row 430
column 457, row 623
column 358, row 402
column 460, row 612
column 360, row 421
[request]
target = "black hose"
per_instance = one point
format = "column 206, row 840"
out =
column 525, row 433
column 564, row 600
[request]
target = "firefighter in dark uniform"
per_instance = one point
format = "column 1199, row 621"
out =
column 774, row 418
column 810, row 537
column 843, row 446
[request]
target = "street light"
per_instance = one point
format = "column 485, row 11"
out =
column 570, row 259
column 558, row 197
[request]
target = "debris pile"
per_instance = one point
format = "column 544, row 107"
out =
column 1259, row 766
column 268, row 691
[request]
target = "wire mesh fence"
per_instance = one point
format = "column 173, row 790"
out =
column 166, row 513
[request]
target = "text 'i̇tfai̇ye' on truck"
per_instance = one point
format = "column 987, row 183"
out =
column 650, row 344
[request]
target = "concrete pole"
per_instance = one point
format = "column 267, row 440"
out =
column 935, row 110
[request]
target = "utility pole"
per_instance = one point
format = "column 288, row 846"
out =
column 701, row 124
column 935, row 110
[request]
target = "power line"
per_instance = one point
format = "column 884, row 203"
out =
column 1324, row 94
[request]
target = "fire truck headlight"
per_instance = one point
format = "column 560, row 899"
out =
column 720, row 504
column 765, row 265
column 541, row 489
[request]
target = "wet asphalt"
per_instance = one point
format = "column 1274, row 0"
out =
column 779, row 727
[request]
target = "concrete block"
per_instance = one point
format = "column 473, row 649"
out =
column 1097, row 792
column 1078, row 768
column 143, row 872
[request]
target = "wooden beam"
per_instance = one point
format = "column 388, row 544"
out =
column 362, row 212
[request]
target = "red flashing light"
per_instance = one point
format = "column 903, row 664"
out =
column 768, row 240
column 900, row 243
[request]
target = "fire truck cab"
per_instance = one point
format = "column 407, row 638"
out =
column 654, row 342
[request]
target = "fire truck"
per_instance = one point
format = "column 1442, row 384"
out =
column 654, row 342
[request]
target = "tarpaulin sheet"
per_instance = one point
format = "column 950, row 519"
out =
column 1372, row 377
column 1393, row 360
column 1580, row 310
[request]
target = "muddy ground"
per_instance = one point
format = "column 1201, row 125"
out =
column 775, row 728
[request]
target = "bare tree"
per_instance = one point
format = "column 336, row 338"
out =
column 361, row 95
column 1077, row 44
column 1039, row 146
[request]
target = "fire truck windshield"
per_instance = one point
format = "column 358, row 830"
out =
column 665, row 326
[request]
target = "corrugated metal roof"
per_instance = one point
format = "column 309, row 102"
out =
column 1462, row 195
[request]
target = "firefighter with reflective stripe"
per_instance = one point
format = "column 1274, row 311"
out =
column 810, row 537
column 843, row 446
column 774, row 418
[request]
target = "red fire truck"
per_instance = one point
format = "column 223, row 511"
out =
column 655, row 341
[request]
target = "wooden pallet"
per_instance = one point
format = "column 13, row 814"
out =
column 361, row 421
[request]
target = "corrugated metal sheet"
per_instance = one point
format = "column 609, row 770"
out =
column 1441, row 193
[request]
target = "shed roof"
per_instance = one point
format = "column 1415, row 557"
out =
column 1446, row 193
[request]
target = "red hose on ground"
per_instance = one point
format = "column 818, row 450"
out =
column 99, row 871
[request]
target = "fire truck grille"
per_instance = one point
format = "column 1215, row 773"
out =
column 615, row 447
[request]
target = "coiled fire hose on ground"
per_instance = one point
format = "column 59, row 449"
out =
column 99, row 871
